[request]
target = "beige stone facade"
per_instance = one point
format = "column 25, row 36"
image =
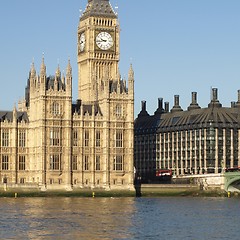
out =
column 56, row 144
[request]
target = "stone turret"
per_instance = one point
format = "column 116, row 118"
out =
column 63, row 81
column 43, row 76
column 69, row 78
column 32, row 71
column 32, row 77
column 57, row 78
column 131, row 81
column 14, row 114
column 43, row 71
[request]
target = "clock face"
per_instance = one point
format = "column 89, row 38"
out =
column 104, row 40
column 82, row 41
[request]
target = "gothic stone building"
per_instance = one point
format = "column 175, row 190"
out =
column 195, row 141
column 55, row 144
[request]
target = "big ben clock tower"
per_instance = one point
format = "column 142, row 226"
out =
column 98, row 48
column 105, row 98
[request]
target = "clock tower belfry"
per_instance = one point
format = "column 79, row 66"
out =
column 106, row 101
column 98, row 48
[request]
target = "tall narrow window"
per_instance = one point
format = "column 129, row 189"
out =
column 119, row 139
column 55, row 137
column 86, row 163
column 86, row 138
column 118, row 163
column 75, row 138
column 98, row 138
column 22, row 138
column 54, row 162
column 118, row 110
column 5, row 162
column 55, row 108
column 5, row 138
column 22, row 180
column 74, row 163
column 22, row 163
column 98, row 164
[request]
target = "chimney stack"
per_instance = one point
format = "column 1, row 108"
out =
column 143, row 112
column 194, row 104
column 237, row 104
column 143, row 105
column 176, row 107
column 194, row 97
column 214, row 94
column 214, row 101
column 160, row 109
column 166, row 107
column 160, row 103
column 176, row 100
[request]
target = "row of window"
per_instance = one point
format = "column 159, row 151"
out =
column 55, row 137
column 55, row 163
column 179, row 140
column 5, row 138
column 98, row 182
column 117, row 163
column 21, row 163
column 103, row 21
column 118, row 138
column 191, row 134
column 21, row 180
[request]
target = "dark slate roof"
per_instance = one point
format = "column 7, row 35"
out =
column 98, row 8
column 146, row 124
column 196, row 118
column 6, row 115
column 113, row 86
column 87, row 109
column 50, row 83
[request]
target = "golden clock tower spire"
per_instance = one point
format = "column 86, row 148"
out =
column 98, row 47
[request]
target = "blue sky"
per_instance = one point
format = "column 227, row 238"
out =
column 175, row 46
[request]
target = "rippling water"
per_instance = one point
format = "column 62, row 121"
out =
column 119, row 218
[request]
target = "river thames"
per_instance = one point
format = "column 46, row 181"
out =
column 120, row 218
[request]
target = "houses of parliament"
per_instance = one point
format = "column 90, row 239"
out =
column 52, row 143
